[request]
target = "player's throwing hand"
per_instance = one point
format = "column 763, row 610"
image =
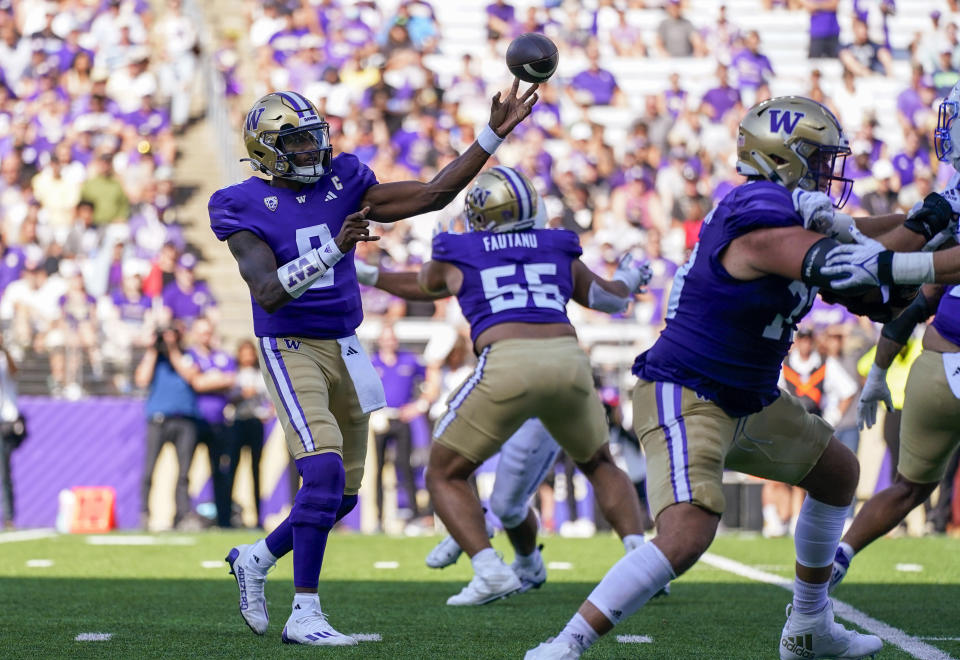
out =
column 507, row 113
column 355, row 229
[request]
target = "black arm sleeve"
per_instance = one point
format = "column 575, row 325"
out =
column 814, row 260
column 900, row 328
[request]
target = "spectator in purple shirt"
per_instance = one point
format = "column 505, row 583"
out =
column 720, row 99
column 675, row 96
column 753, row 67
column 12, row 259
column 148, row 119
column 401, row 373
column 185, row 297
column 595, row 86
column 863, row 57
column 500, row 19
column 824, row 27
column 916, row 101
column 211, row 373
column 912, row 157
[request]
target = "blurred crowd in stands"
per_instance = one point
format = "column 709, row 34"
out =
column 95, row 93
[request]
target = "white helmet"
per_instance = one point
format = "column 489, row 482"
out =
column 946, row 138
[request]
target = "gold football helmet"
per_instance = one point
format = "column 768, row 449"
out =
column 285, row 136
column 503, row 199
column 796, row 142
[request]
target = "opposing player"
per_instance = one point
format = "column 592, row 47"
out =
column 528, row 454
column 289, row 235
column 930, row 427
column 872, row 262
column 513, row 282
column 707, row 397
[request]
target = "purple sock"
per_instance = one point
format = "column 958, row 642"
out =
column 346, row 506
column 314, row 514
column 280, row 541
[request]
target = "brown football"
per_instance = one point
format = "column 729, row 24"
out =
column 532, row 57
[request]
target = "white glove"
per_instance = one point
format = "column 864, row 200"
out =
column 820, row 216
column 366, row 274
column 858, row 261
column 636, row 274
column 874, row 391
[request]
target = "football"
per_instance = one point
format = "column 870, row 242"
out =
column 532, row 57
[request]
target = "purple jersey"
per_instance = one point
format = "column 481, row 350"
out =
column 947, row 318
column 726, row 338
column 293, row 223
column 132, row 311
column 400, row 377
column 211, row 404
column 187, row 305
column 511, row 277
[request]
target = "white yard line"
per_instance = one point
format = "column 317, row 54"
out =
column 26, row 535
column 367, row 637
column 912, row 645
column 139, row 539
column 635, row 639
column 93, row 637
column 39, row 563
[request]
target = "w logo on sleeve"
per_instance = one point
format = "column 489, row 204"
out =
column 784, row 120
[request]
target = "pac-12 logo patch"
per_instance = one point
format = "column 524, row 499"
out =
column 271, row 202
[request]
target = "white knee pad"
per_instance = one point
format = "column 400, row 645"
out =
column 525, row 460
column 819, row 528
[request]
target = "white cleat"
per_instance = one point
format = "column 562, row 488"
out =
column 447, row 552
column 251, row 579
column 530, row 579
column 482, row 590
column 809, row 636
column 310, row 626
column 553, row 649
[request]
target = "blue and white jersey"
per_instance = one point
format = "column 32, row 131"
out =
column 726, row 338
column 293, row 223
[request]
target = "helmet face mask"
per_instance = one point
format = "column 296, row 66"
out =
column 501, row 200
column 286, row 137
column 795, row 142
column 946, row 137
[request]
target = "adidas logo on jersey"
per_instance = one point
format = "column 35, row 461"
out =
column 330, row 195
column 352, row 351
column 301, row 199
column 799, row 645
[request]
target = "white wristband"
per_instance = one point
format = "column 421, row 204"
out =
column 912, row 267
column 298, row 274
column 488, row 140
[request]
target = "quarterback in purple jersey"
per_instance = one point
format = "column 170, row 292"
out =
column 930, row 427
column 707, row 397
column 513, row 281
column 530, row 450
column 288, row 235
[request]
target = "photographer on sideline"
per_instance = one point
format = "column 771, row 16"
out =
column 172, row 414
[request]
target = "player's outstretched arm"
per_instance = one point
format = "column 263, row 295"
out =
column 273, row 287
column 390, row 202
column 611, row 296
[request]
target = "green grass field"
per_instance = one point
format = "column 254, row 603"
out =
column 173, row 599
